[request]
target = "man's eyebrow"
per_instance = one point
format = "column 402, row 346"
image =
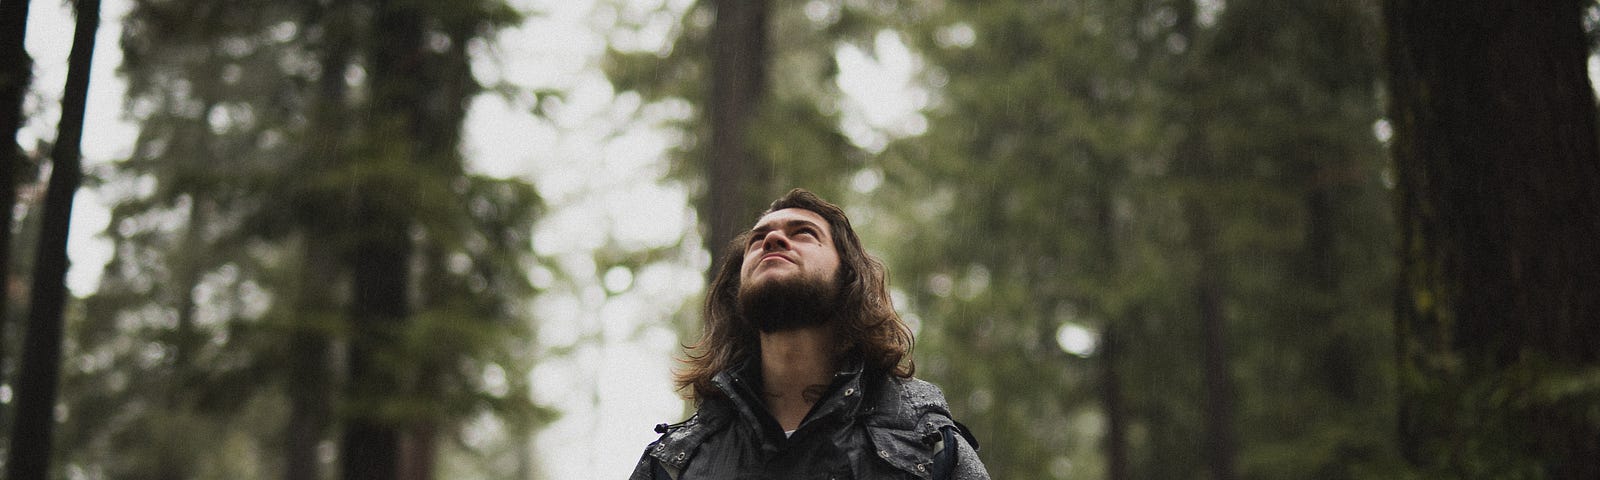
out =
column 767, row 226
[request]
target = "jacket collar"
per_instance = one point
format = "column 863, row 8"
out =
column 894, row 410
column 742, row 385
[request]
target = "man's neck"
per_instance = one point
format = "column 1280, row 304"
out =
column 796, row 368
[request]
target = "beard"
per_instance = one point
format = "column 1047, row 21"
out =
column 788, row 303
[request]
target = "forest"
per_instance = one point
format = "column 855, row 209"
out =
column 1135, row 239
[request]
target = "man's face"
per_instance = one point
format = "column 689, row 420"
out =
column 793, row 244
column 787, row 280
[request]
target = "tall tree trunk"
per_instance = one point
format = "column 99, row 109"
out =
column 31, row 435
column 379, row 305
column 1218, row 383
column 1336, row 372
column 190, row 269
column 17, row 73
column 1112, row 401
column 738, row 84
column 1499, row 207
column 451, row 84
column 1196, row 162
column 381, row 260
column 420, row 450
column 318, row 216
column 418, row 443
column 309, row 377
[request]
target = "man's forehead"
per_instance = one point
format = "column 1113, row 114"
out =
column 790, row 215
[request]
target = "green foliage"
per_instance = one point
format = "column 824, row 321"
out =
column 181, row 361
column 1070, row 147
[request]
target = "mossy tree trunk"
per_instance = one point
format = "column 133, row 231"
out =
column 1499, row 207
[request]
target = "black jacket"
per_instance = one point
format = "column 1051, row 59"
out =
column 867, row 426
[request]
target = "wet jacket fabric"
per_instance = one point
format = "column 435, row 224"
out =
column 866, row 426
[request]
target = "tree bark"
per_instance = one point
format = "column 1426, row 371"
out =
column 1197, row 162
column 318, row 217
column 379, row 306
column 738, row 84
column 14, row 80
column 1218, row 383
column 32, row 431
column 381, row 260
column 1499, row 207
column 441, row 116
column 1111, row 399
column 309, row 378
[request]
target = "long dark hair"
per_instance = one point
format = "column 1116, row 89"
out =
column 866, row 324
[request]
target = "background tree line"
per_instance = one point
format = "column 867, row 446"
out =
column 300, row 259
column 1137, row 238
column 1204, row 188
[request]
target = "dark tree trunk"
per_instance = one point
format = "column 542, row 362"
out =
column 310, row 379
column 380, row 262
column 379, row 304
column 190, row 268
column 309, row 375
column 1111, row 399
column 420, row 451
column 738, row 84
column 1336, row 371
column 450, row 86
column 1196, row 162
column 16, row 72
column 1218, row 383
column 31, row 435
column 319, row 214
column 1499, row 207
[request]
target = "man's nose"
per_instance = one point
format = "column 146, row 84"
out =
column 774, row 240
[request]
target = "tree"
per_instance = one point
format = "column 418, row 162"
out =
column 1159, row 173
column 32, row 434
column 230, row 290
column 408, row 178
column 186, row 304
column 1022, row 182
column 317, row 217
column 382, row 250
column 1498, row 169
column 738, row 53
column 759, row 77
column 13, row 87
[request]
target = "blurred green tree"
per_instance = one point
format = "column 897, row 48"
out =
column 1197, row 183
column 267, row 130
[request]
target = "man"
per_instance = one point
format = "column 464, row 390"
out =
column 803, row 369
